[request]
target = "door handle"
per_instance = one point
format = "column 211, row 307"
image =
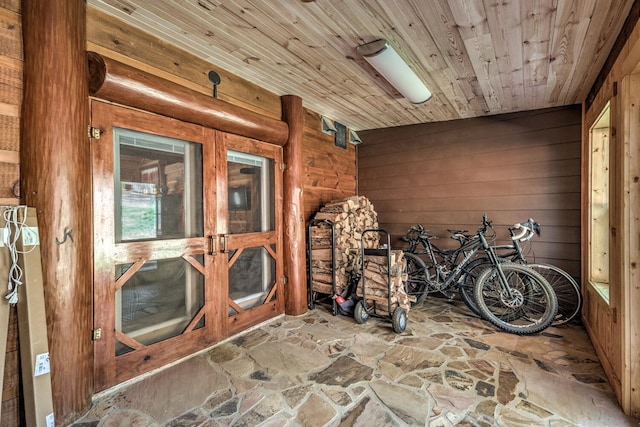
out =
column 213, row 245
column 223, row 242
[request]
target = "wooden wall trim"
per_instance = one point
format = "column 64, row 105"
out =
column 116, row 82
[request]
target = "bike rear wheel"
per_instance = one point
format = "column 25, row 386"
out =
column 566, row 289
column 417, row 281
column 525, row 304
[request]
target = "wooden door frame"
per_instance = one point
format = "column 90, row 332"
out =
column 109, row 369
column 253, row 316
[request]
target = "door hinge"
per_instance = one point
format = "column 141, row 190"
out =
column 96, row 334
column 93, row 132
column 614, row 314
column 283, row 166
column 283, row 280
column 615, row 88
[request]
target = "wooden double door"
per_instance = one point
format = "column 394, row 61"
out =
column 187, row 239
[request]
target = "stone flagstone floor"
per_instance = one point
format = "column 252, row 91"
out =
column 447, row 369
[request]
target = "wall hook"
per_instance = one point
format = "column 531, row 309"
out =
column 67, row 234
column 215, row 79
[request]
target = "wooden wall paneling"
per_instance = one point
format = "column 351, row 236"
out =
column 329, row 171
column 54, row 131
column 605, row 336
column 606, row 323
column 630, row 248
column 112, row 38
column 512, row 167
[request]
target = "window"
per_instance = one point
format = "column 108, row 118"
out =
column 600, row 203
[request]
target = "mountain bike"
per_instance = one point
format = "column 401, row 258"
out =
column 512, row 297
column 567, row 290
column 428, row 266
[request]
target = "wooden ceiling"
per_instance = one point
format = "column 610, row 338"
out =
column 478, row 57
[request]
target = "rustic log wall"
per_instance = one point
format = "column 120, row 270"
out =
column 512, row 167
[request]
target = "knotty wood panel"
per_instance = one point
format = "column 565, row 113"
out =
column 477, row 57
column 329, row 171
column 612, row 325
column 512, row 167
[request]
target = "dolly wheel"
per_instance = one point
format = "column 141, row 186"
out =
column 399, row 320
column 360, row 313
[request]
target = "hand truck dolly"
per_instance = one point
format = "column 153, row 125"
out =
column 368, row 306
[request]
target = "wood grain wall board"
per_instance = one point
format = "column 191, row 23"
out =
column 471, row 220
column 499, row 125
column 10, row 35
column 128, row 41
column 462, row 191
column 450, row 146
column 11, row 5
column 9, row 133
column 517, row 203
column 9, row 174
column 10, row 86
column 512, row 168
column 465, row 171
column 317, row 177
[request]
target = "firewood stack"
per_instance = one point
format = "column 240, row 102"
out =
column 381, row 288
column 350, row 217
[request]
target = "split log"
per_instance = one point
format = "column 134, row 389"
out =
column 350, row 217
column 384, row 283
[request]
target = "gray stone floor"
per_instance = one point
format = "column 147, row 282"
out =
column 447, row 369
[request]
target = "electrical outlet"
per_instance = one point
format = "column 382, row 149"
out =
column 30, row 236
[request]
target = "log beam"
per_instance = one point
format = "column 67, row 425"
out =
column 55, row 179
column 116, row 82
column 294, row 229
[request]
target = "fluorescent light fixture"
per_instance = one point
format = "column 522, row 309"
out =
column 392, row 67
column 354, row 138
column 328, row 127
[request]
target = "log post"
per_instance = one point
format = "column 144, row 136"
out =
column 55, row 179
column 294, row 230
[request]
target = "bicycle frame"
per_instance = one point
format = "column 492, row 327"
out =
column 448, row 270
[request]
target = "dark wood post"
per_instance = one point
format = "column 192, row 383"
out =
column 295, row 302
column 55, row 176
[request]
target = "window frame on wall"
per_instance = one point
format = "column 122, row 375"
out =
column 600, row 203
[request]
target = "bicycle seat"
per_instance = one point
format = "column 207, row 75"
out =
column 457, row 231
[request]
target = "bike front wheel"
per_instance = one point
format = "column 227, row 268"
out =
column 524, row 303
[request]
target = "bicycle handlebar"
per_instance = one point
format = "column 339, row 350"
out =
column 529, row 228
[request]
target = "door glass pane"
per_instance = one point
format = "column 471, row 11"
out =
column 251, row 193
column 158, row 187
column 251, row 277
column 159, row 300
